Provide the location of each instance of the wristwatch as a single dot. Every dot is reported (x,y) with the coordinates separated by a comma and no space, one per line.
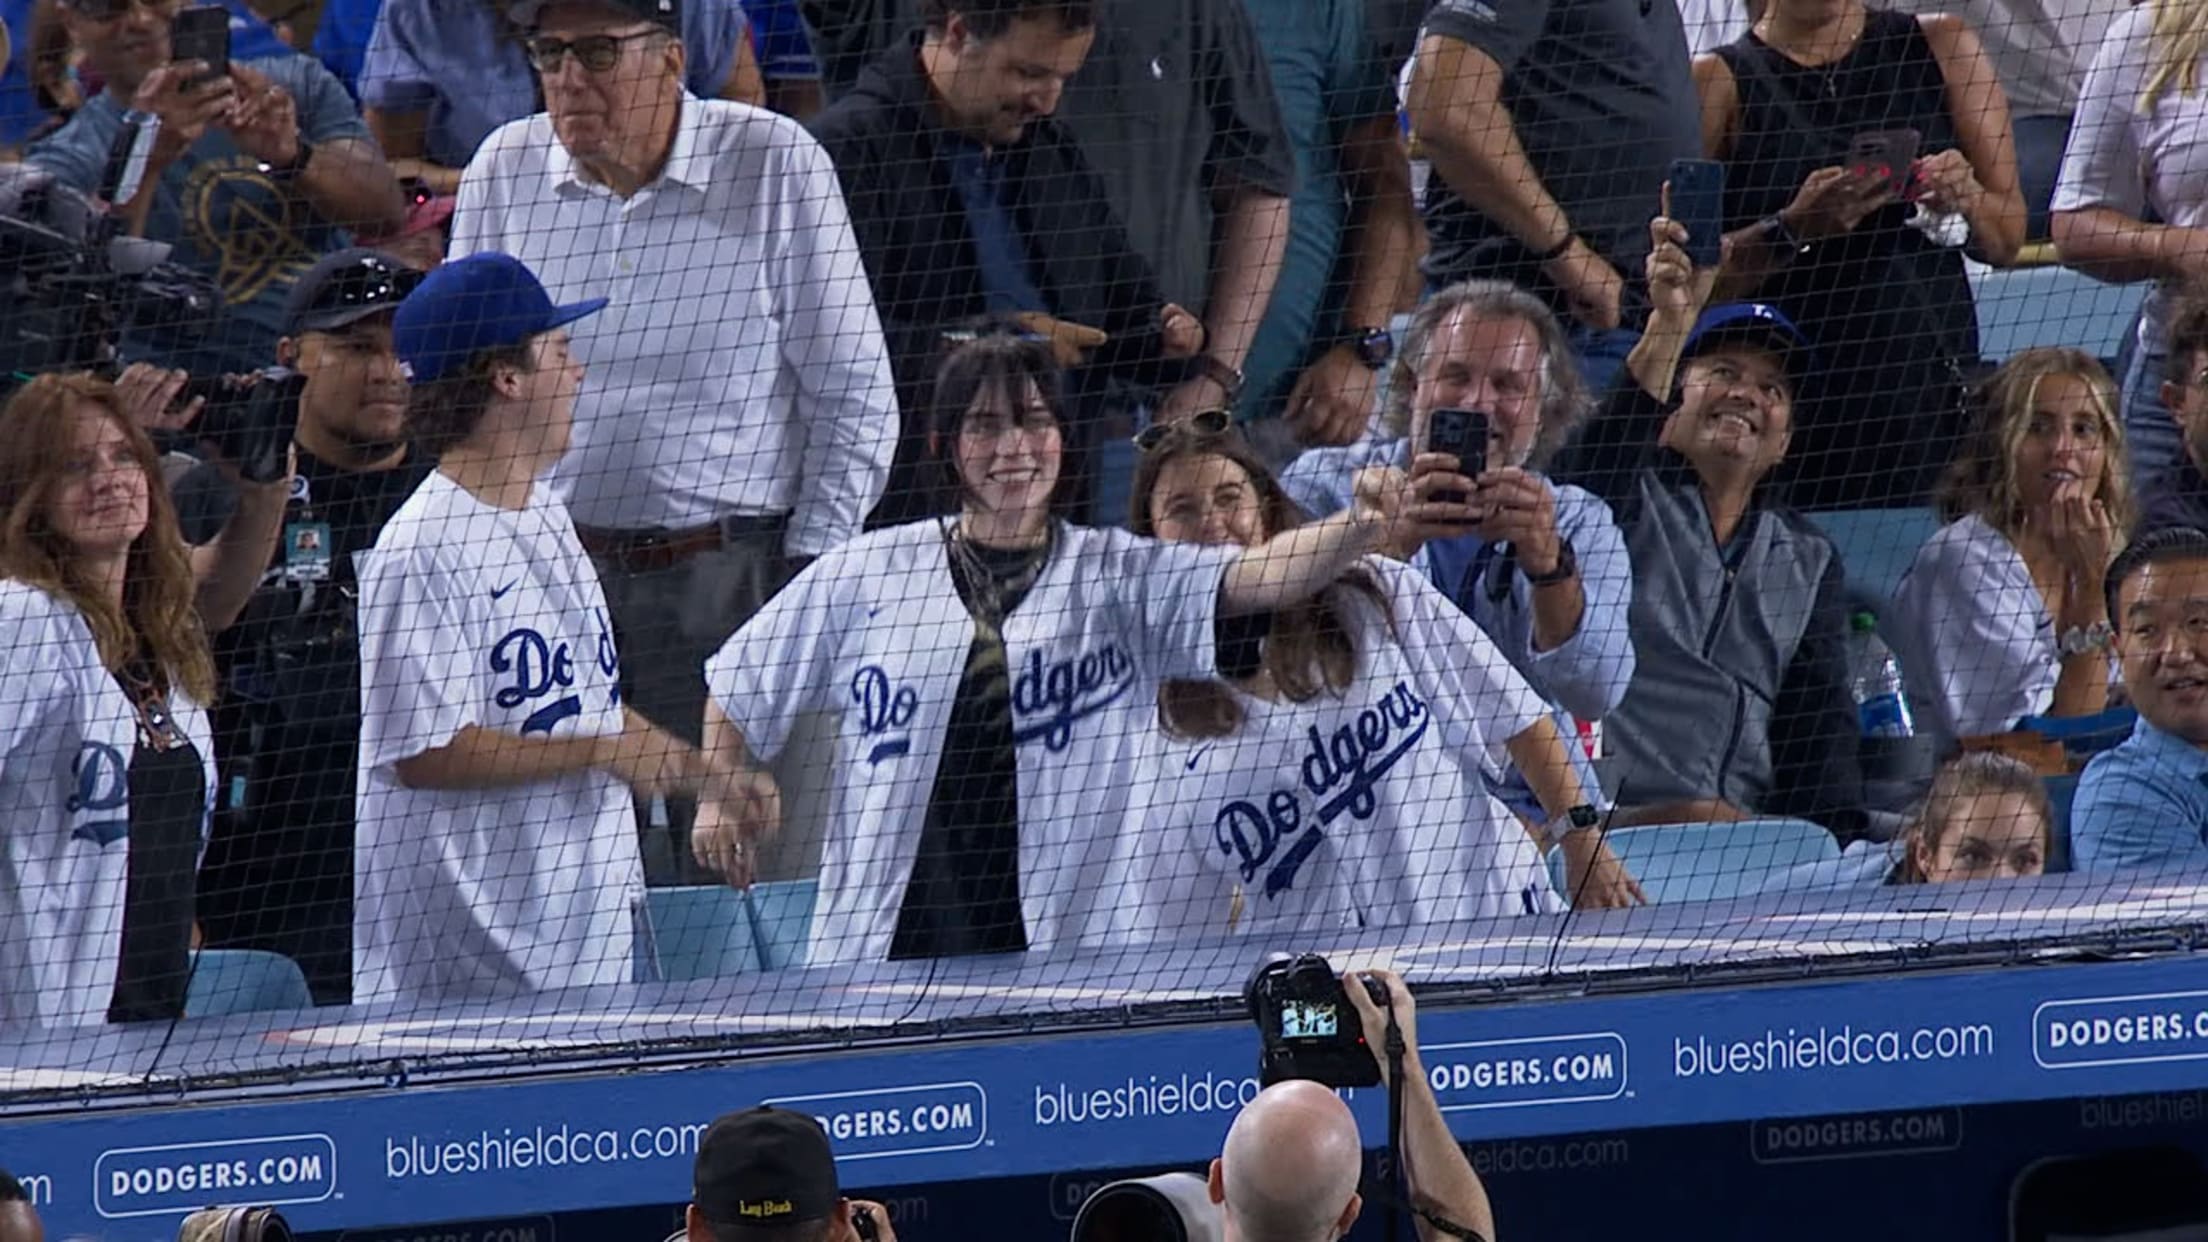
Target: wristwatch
(298,162)
(1210,367)
(1579,819)
(1779,240)
(1567,565)
(1375,348)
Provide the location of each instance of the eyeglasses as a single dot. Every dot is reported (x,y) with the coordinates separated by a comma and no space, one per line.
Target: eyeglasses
(1201,426)
(109,10)
(598,53)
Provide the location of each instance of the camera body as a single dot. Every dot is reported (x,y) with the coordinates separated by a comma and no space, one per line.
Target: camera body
(235,1224)
(1306,1025)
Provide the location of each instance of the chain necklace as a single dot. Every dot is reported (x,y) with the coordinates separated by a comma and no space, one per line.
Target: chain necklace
(987,591)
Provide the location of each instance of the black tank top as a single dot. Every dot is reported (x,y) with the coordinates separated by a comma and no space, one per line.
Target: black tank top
(1889,311)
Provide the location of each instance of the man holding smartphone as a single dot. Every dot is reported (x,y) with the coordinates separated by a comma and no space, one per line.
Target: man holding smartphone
(1540,566)
(252,174)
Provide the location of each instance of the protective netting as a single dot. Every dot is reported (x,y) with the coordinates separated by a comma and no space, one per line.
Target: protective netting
(1056,502)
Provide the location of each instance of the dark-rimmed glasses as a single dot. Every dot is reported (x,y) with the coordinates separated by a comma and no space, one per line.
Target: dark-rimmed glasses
(1200,426)
(597,53)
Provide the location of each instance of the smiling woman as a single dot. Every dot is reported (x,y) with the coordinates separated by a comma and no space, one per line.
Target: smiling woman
(107,756)
(998,672)
(2001,616)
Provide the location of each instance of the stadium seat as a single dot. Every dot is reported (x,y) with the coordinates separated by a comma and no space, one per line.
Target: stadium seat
(701,932)
(2025,307)
(1713,861)
(782,920)
(227,981)
(1876,547)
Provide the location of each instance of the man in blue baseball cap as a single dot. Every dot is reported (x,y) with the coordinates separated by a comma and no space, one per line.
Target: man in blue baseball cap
(496,849)
(1739,704)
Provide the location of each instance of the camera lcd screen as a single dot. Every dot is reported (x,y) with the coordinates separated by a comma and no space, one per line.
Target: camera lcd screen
(1308,1020)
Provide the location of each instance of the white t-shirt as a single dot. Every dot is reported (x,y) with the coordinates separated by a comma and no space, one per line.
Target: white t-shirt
(1367,810)
(475,615)
(67,734)
(875,634)
(2126,161)
(1973,634)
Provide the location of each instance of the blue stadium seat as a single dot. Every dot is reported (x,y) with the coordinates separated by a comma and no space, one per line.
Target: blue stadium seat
(2026,307)
(1710,862)
(782,918)
(1876,547)
(227,981)
(701,932)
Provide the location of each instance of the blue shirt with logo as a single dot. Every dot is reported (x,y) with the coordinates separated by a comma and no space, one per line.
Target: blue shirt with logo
(253,232)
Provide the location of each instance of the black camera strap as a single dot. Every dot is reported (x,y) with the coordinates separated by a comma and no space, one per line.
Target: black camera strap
(1397,1189)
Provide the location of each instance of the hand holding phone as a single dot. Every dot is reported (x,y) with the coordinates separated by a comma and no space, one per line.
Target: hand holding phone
(1885,155)
(1697,203)
(1462,434)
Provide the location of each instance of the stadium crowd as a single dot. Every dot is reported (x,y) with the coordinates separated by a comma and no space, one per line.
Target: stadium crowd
(1062,473)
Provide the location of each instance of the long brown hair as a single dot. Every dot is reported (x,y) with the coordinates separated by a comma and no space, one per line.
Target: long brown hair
(1980,772)
(1309,649)
(158,621)
(1982,480)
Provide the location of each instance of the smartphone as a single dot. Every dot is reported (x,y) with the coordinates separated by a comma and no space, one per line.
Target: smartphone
(1887,153)
(1698,202)
(1463,435)
(202,33)
(862,1223)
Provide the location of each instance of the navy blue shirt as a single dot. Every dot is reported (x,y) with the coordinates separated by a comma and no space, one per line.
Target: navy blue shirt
(1000,252)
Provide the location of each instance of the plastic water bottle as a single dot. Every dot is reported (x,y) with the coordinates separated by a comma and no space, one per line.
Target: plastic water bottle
(1874,678)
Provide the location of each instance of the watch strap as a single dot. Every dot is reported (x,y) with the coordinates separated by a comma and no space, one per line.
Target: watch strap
(1567,566)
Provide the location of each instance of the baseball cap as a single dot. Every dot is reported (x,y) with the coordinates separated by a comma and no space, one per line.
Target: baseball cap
(668,13)
(1757,323)
(764,1166)
(345,286)
(469,305)
(425,211)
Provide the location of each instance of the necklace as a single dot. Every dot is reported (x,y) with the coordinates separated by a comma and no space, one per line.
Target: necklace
(988,591)
(156,728)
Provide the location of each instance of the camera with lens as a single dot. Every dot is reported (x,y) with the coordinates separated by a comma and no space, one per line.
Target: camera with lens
(247,420)
(235,1224)
(1308,1027)
(71,284)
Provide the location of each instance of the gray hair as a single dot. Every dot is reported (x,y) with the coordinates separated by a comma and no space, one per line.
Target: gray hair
(1565,402)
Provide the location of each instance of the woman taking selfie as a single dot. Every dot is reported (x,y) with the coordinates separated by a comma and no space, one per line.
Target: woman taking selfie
(2002,615)
(996,675)
(1335,774)
(105,758)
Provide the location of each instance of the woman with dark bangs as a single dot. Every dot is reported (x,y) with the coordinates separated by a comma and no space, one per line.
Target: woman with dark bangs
(106,762)
(1334,775)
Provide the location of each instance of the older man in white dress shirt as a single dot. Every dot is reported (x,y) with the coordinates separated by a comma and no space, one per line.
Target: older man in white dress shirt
(739,418)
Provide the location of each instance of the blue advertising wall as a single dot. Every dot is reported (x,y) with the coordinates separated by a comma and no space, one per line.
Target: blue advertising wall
(1908,1060)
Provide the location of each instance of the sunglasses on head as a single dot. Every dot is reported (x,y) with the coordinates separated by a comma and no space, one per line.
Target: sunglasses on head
(1201,426)
(597,53)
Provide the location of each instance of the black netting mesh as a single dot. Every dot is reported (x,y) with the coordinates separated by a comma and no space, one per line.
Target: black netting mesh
(961,514)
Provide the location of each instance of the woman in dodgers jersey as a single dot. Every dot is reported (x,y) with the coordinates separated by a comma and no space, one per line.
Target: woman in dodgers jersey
(106,760)
(496,841)
(1334,780)
(994,675)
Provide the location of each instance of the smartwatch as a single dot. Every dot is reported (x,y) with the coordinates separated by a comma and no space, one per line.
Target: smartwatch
(1375,348)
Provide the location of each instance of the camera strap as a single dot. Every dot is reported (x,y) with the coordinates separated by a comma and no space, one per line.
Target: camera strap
(1398,1183)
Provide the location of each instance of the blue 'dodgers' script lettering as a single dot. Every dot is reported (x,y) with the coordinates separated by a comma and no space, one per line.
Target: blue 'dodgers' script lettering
(1049,699)
(102,800)
(885,713)
(1340,772)
(539,669)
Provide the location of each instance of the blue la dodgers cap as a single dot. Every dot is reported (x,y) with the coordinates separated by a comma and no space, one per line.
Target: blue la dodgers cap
(483,301)
(1755,322)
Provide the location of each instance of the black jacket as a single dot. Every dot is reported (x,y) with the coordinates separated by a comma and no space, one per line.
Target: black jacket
(919,252)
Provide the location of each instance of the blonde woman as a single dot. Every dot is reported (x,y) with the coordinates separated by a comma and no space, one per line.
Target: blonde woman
(105,756)
(1987,817)
(2002,616)
(2140,142)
